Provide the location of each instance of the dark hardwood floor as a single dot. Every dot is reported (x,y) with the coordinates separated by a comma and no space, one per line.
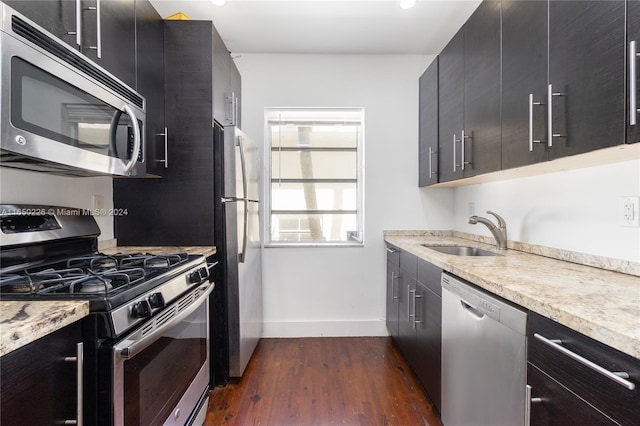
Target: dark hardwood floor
(323,381)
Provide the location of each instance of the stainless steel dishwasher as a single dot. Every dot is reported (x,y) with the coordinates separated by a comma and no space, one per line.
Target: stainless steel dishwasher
(483,358)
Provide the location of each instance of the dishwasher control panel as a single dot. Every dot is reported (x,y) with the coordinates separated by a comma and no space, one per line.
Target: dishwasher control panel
(485,303)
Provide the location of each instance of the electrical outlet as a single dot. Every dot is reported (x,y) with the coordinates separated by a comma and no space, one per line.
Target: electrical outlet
(98,202)
(630,211)
(472,208)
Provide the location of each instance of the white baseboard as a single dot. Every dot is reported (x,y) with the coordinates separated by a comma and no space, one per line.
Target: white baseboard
(325,329)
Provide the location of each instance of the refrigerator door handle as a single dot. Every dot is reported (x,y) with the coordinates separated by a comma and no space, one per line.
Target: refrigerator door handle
(240,144)
(243,165)
(243,252)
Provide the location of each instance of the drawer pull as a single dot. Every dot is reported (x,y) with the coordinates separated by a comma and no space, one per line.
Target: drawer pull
(618,377)
(389,250)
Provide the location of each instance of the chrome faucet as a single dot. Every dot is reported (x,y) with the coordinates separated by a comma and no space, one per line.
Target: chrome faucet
(500,234)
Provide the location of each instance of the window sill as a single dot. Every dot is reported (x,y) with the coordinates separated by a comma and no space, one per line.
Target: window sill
(314,245)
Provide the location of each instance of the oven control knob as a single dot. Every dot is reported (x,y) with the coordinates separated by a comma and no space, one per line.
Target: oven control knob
(196,277)
(204,273)
(141,309)
(156,300)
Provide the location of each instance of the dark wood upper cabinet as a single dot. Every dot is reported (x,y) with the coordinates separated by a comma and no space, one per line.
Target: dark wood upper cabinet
(115,36)
(469,98)
(187,185)
(428,126)
(56,16)
(221,81)
(524,82)
(586,75)
(236,93)
(227,82)
(150,83)
(480,147)
(633,35)
(115,33)
(450,108)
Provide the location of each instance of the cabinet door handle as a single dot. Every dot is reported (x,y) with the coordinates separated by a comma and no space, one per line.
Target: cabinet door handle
(98,30)
(550,96)
(527,405)
(633,105)
(393,286)
(412,316)
(98,46)
(235,109)
(464,162)
(618,377)
(455,165)
(390,250)
(531,104)
(415,313)
(166,148)
(79,360)
(78,31)
(431,154)
(232,106)
(409,303)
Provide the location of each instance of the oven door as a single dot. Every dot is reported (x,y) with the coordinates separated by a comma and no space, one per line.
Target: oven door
(161,371)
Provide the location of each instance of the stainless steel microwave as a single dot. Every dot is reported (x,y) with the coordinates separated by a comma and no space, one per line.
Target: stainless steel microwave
(59,111)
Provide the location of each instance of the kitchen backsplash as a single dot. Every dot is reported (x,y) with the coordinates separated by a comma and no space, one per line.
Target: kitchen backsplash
(23,187)
(574,210)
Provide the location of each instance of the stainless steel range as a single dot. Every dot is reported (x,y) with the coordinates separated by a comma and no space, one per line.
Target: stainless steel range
(146,340)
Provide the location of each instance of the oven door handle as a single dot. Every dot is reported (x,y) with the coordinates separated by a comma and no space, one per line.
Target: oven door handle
(136,343)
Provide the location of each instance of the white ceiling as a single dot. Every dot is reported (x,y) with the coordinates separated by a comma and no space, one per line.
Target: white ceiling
(329,26)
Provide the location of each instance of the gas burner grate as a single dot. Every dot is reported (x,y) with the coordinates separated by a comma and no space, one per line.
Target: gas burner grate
(94,263)
(151,261)
(72,281)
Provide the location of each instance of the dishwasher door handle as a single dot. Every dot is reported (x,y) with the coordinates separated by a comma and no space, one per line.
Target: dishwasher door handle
(472,311)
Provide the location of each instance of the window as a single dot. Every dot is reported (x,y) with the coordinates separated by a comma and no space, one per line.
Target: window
(316,172)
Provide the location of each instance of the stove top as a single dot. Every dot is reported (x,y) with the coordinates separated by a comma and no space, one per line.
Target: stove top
(50,253)
(105,280)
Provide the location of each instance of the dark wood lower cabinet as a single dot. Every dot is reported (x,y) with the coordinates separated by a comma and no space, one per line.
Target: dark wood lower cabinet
(37,385)
(570,392)
(393,273)
(414,317)
(556,405)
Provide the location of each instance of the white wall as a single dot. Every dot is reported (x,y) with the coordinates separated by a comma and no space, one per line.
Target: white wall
(18,186)
(341,291)
(575,210)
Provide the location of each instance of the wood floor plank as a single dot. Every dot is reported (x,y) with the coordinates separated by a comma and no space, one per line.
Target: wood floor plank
(323,381)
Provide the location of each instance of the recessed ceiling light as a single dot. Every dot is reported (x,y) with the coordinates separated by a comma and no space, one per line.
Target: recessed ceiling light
(218,2)
(407,4)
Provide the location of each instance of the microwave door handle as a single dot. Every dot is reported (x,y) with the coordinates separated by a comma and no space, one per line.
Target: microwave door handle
(136,139)
(113,146)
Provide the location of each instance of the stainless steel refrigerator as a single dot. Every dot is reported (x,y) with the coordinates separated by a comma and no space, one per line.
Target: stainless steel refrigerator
(237,304)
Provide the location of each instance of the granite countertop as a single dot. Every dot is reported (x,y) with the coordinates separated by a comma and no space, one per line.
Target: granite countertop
(111,247)
(23,322)
(600,303)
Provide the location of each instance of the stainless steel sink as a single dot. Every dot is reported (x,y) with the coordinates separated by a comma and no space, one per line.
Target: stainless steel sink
(461,250)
